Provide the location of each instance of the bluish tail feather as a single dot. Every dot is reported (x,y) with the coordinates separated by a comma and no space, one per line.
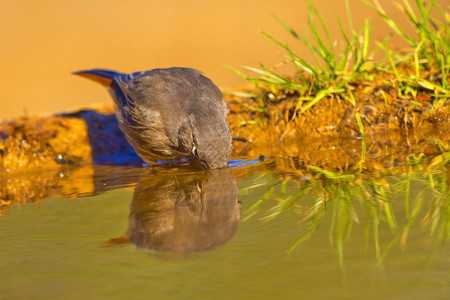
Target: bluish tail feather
(111,79)
(98,72)
(104,77)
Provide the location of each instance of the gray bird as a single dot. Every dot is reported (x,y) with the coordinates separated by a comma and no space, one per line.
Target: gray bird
(170,113)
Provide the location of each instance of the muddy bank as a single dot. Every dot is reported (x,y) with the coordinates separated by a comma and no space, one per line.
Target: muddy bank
(328,135)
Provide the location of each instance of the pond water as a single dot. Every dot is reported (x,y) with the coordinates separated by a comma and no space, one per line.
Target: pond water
(240,233)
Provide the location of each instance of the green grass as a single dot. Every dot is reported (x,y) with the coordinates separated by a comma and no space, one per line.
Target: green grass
(335,71)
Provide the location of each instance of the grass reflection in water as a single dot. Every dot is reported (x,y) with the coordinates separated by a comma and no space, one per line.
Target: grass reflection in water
(353,196)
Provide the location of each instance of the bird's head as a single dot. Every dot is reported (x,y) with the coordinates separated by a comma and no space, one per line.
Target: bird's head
(211,139)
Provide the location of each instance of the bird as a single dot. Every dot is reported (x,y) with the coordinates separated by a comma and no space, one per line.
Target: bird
(170,113)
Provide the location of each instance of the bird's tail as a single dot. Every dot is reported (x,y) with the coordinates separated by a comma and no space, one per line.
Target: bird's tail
(104,77)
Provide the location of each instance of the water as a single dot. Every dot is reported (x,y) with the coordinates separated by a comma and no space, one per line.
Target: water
(211,236)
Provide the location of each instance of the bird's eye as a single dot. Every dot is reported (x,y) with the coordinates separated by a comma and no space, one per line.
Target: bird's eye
(194,150)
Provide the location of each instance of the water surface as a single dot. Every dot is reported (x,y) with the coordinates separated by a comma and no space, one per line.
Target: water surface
(237,247)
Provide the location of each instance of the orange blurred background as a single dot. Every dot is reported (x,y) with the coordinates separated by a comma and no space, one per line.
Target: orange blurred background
(42,42)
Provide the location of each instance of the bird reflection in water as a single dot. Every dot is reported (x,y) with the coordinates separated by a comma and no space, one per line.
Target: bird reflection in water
(180,213)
